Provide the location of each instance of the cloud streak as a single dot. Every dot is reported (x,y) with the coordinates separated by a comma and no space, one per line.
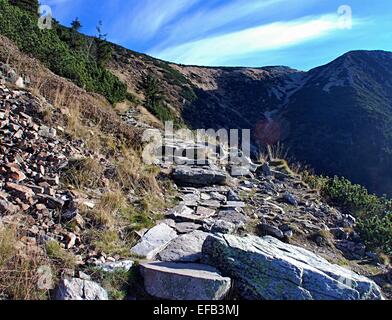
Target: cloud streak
(142,20)
(218,49)
(207,20)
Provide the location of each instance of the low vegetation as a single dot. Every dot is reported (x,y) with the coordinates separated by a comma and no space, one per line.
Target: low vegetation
(20,268)
(374,214)
(81,60)
(116,283)
(155,101)
(83,173)
(60,256)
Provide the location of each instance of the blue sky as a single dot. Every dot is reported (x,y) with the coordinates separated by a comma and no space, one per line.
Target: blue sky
(298,33)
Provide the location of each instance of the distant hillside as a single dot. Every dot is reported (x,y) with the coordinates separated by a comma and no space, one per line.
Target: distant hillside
(341,119)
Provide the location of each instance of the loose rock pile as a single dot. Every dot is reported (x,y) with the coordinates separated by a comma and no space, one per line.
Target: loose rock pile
(31,159)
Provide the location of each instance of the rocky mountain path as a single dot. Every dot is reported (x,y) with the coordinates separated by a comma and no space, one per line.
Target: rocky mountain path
(201,247)
(267,202)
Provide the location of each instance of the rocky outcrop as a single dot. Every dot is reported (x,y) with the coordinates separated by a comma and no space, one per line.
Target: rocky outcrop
(266,268)
(177,281)
(78,289)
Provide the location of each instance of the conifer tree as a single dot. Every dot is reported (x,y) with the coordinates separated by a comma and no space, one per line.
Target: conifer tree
(29,5)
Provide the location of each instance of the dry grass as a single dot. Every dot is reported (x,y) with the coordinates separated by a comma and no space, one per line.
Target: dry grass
(271,153)
(323,238)
(19,268)
(61,257)
(282,166)
(90,118)
(109,242)
(131,174)
(106,213)
(83,173)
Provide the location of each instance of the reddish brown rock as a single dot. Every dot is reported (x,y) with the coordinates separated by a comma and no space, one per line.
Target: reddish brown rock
(15,173)
(20,191)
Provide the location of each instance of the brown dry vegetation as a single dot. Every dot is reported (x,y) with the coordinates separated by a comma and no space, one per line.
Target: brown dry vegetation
(20,267)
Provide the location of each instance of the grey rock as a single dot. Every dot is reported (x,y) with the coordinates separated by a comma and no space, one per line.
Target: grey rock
(268,230)
(266,268)
(205,196)
(210,203)
(290,199)
(234,204)
(339,233)
(84,276)
(232,196)
(190,199)
(351,250)
(219,226)
(79,289)
(240,171)
(197,176)
(182,213)
(233,216)
(47,132)
(154,241)
(7,207)
(217,196)
(288,234)
(110,267)
(177,281)
(264,170)
(186,227)
(205,212)
(185,248)
(348,221)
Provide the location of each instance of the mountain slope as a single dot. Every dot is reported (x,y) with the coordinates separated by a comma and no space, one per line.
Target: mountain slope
(336,118)
(341,119)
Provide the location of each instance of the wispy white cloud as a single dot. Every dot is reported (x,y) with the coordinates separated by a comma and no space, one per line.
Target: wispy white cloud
(214,50)
(144,19)
(207,19)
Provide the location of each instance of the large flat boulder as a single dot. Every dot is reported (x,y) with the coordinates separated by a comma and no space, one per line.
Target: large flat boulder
(154,241)
(266,268)
(199,176)
(185,248)
(178,281)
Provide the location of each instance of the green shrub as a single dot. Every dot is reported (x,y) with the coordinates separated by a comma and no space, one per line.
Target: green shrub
(154,101)
(374,213)
(376,231)
(116,283)
(53,48)
(59,255)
